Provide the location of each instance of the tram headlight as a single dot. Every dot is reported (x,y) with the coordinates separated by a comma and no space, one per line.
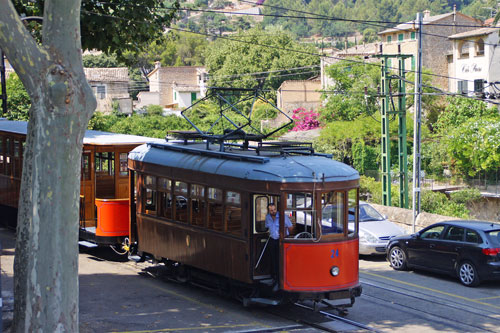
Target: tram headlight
(334,271)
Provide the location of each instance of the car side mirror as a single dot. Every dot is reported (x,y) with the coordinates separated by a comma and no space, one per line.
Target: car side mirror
(416,235)
(384,216)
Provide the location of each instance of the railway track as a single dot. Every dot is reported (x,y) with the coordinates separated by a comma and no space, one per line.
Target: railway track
(458,315)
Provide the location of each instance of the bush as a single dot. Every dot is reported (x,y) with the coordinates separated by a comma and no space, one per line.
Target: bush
(305,120)
(154,110)
(466,196)
(438,203)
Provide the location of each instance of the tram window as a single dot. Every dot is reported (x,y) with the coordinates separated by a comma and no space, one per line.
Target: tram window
(105,163)
(300,200)
(123,164)
(181,202)
(16,148)
(215,209)
(233,213)
(166,204)
(260,212)
(353,212)
(332,213)
(85,166)
(150,204)
(1,156)
(150,181)
(300,210)
(198,204)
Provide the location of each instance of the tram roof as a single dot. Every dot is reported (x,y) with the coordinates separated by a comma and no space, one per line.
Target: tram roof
(245,164)
(91,137)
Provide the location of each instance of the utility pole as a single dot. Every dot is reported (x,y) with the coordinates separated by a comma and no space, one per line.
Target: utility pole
(417,125)
(3,95)
(388,108)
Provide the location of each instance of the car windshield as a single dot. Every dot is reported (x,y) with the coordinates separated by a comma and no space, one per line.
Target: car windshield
(494,237)
(366,213)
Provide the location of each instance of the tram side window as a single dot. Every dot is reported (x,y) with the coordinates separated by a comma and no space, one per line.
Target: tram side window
(123,165)
(198,205)
(165,194)
(181,201)
(353,212)
(233,213)
(105,163)
(260,205)
(332,213)
(2,166)
(150,195)
(8,150)
(85,166)
(215,209)
(300,209)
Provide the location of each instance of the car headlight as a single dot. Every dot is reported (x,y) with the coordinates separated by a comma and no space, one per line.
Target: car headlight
(366,237)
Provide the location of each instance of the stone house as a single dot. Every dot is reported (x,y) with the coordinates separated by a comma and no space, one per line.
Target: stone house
(174,87)
(437,49)
(110,85)
(475,62)
(294,94)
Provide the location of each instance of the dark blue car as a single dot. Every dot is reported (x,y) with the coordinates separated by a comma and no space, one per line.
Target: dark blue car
(467,249)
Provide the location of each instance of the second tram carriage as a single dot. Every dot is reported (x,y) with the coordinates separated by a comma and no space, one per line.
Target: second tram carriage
(201,209)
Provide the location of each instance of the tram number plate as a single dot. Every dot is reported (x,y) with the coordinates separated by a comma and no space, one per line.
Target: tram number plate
(335,253)
(339,294)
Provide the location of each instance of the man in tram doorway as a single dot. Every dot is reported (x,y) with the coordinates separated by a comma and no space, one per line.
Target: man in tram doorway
(273,225)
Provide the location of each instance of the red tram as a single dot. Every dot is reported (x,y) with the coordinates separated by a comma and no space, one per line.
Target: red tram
(201,209)
(104,206)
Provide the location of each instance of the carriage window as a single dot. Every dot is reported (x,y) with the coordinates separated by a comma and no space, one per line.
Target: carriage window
(123,164)
(105,163)
(332,213)
(7,156)
(16,148)
(198,204)
(150,194)
(215,209)
(181,201)
(353,212)
(1,156)
(150,181)
(300,209)
(260,212)
(85,166)
(233,213)
(165,197)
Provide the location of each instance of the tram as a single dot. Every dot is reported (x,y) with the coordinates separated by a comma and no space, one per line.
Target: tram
(202,201)
(104,205)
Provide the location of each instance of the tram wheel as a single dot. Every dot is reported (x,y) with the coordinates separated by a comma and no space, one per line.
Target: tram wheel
(467,273)
(397,258)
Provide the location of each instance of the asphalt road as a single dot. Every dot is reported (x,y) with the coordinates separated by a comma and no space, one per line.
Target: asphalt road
(117,296)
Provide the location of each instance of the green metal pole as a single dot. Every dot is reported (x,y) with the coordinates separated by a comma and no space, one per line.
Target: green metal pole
(386,142)
(403,157)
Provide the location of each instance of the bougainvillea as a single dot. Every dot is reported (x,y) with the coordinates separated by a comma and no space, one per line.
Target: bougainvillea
(305,120)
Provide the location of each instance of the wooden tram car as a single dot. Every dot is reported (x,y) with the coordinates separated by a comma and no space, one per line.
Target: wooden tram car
(201,209)
(104,205)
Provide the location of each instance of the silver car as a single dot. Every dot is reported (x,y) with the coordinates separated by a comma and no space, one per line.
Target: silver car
(375,230)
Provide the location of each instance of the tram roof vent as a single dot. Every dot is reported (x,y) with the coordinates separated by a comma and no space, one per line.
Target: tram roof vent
(286,147)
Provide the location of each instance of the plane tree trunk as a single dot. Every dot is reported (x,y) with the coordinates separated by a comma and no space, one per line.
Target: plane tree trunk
(46,260)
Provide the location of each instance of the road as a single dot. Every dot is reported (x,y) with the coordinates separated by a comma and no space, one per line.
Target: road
(117,296)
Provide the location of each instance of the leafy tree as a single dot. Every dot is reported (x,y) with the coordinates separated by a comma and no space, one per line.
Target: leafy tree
(155,110)
(115,26)
(18,101)
(62,102)
(229,61)
(101,60)
(346,100)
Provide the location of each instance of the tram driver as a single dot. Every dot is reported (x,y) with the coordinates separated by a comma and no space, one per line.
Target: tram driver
(273,225)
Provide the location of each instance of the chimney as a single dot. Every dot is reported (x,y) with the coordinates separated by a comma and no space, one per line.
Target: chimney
(427,13)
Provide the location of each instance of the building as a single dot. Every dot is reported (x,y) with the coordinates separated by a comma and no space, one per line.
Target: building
(475,62)
(110,85)
(437,49)
(174,87)
(294,94)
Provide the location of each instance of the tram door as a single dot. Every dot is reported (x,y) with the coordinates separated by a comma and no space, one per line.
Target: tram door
(105,175)
(261,256)
(87,188)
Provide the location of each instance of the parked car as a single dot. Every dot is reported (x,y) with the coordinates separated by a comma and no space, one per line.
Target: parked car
(467,249)
(375,230)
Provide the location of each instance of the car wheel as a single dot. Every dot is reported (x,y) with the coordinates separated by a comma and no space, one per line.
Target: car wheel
(467,274)
(397,258)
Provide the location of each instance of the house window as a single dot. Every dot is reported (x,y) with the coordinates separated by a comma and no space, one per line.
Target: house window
(100,92)
(193,97)
(389,39)
(462,87)
(175,95)
(478,87)
(464,50)
(401,37)
(479,47)
(413,35)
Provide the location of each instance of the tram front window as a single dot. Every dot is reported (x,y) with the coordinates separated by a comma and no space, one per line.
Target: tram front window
(300,210)
(332,213)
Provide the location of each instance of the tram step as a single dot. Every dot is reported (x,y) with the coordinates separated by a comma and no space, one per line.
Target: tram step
(87,244)
(260,300)
(267,282)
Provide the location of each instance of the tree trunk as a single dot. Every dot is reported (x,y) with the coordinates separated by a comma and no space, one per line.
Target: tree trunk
(46,261)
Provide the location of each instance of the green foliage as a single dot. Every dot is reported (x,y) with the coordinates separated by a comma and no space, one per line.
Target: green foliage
(18,100)
(474,145)
(371,190)
(438,203)
(346,99)
(227,60)
(465,196)
(364,157)
(154,110)
(137,26)
(102,60)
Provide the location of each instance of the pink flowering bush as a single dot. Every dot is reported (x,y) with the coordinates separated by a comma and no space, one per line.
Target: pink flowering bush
(305,120)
